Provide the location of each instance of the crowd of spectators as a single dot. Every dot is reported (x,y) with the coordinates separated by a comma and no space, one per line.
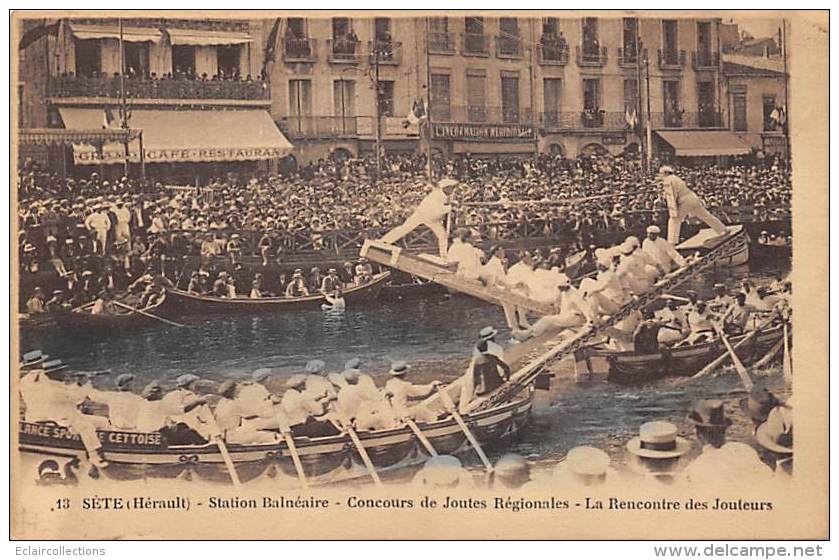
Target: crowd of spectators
(65,225)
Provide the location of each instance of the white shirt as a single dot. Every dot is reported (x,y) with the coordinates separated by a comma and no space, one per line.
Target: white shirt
(662,252)
(434,206)
(467,257)
(402,390)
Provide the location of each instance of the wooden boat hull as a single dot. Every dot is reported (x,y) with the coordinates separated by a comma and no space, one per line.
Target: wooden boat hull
(82,323)
(633,367)
(736,253)
(183,302)
(325,460)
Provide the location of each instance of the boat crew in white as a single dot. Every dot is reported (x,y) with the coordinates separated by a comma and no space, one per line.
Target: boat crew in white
(661,250)
(683,203)
(401,391)
(467,257)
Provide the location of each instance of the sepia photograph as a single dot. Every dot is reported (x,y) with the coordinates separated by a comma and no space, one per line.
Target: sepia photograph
(418,274)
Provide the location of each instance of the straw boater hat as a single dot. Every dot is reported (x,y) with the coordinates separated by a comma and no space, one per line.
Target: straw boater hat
(31,359)
(653,229)
(487,333)
(658,440)
(315,367)
(261,374)
(709,413)
(151,389)
(398,368)
(124,380)
(665,170)
(186,380)
(585,464)
(54,366)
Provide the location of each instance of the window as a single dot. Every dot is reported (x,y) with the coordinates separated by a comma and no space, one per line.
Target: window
(441,105)
(340,27)
(88,57)
(228,61)
(297,28)
(769,121)
(509,42)
(553,45)
(553,97)
(703,43)
(672,108)
(476,97)
(439,39)
(510,99)
(299,97)
(343,98)
(381,29)
(738,102)
(591,43)
(671,41)
(630,40)
(706,103)
(385,96)
(183,60)
(630,95)
(474,40)
(137,59)
(550,26)
(591,94)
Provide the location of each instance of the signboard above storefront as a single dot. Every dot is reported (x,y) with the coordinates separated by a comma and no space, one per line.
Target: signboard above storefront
(488,132)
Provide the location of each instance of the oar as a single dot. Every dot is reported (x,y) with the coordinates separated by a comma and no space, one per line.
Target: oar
(720,360)
(345,426)
(420,436)
(787,356)
(149,315)
(285,430)
(222,447)
(769,355)
(449,404)
(738,365)
(675,298)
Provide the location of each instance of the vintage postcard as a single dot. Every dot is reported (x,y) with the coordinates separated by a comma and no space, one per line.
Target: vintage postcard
(419,275)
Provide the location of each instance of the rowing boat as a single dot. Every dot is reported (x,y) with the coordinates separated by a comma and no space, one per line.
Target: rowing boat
(635,367)
(736,245)
(82,321)
(326,460)
(181,301)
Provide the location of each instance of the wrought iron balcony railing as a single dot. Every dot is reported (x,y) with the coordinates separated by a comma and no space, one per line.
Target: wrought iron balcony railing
(389,52)
(671,60)
(508,47)
(440,43)
(300,50)
(591,57)
(155,88)
(553,53)
(475,44)
(705,60)
(343,51)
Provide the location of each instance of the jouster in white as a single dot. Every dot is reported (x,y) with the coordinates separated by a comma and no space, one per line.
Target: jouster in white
(683,203)
(431,212)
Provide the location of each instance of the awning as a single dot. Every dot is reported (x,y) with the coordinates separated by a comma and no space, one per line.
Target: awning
(184,136)
(200,37)
(63,137)
(704,143)
(130,34)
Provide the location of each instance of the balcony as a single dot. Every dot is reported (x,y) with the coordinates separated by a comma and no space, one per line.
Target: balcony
(343,51)
(390,52)
(591,57)
(480,114)
(628,58)
(154,88)
(300,50)
(681,119)
(555,121)
(671,60)
(475,44)
(705,60)
(319,127)
(508,47)
(440,43)
(553,53)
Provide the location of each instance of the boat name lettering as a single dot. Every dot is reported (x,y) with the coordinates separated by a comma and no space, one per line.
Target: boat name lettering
(131,438)
(53,431)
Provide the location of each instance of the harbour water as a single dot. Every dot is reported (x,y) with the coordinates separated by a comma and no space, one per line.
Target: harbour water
(435,336)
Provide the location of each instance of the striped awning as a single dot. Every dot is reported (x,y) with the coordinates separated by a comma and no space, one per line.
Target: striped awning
(201,37)
(61,136)
(129,34)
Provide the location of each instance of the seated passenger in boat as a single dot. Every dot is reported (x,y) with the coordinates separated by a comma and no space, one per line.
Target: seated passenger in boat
(297,286)
(221,285)
(701,322)
(737,319)
(662,252)
(331,282)
(402,392)
(467,256)
(256,289)
(195,285)
(722,301)
(363,271)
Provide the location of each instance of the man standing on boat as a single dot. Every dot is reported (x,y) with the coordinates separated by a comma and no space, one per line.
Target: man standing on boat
(683,203)
(431,212)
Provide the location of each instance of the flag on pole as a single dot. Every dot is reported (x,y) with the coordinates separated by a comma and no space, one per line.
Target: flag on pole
(416,115)
(107,118)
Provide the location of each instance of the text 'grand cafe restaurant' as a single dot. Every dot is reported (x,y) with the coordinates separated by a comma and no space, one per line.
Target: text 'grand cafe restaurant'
(172,135)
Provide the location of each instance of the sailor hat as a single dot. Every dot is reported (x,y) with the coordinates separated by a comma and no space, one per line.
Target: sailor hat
(150,389)
(186,379)
(315,366)
(351,375)
(352,363)
(398,368)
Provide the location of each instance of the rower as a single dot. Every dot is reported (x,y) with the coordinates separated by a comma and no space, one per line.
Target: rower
(735,318)
(337,379)
(661,250)
(123,404)
(645,337)
(431,212)
(304,413)
(722,301)
(467,257)
(574,312)
(401,391)
(672,323)
(185,407)
(238,422)
(701,325)
(360,401)
(764,302)
(605,293)
(151,416)
(683,203)
(317,385)
(104,304)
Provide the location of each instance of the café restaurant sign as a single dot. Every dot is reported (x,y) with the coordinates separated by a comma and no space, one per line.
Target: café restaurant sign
(455,131)
(112,154)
